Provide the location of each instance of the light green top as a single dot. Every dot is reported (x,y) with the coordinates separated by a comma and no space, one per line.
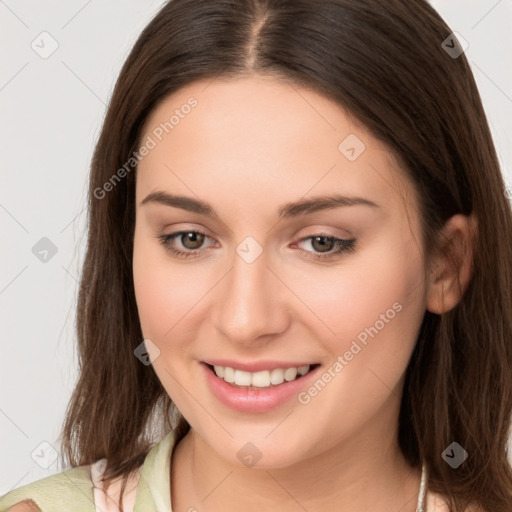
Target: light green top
(73,489)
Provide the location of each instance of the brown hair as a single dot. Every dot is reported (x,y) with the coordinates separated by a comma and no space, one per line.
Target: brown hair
(383,61)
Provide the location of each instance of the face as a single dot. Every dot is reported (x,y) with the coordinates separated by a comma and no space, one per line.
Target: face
(273,232)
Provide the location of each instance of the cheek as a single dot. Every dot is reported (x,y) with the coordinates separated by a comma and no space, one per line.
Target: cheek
(169,294)
(375,307)
(162,295)
(380,295)
(167,298)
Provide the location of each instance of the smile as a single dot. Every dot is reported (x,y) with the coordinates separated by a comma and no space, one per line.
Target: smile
(258,391)
(261,379)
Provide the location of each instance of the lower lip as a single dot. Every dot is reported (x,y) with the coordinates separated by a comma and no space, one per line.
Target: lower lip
(255,400)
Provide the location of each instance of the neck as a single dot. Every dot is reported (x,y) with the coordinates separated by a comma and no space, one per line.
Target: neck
(359,474)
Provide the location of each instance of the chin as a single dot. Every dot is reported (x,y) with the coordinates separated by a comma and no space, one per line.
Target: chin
(259,451)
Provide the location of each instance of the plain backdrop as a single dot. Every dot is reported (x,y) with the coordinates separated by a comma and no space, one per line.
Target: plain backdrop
(59,62)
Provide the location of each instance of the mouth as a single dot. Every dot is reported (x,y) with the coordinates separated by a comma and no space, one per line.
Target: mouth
(260,380)
(262,390)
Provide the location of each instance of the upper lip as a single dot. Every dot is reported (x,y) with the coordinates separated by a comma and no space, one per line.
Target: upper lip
(257,366)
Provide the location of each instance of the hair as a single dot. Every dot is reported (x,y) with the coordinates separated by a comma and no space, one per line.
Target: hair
(383,61)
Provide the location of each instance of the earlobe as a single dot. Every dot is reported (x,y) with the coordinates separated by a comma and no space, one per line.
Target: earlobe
(453,266)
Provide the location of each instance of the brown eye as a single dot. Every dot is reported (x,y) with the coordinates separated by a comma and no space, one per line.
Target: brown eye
(322,243)
(323,246)
(185,244)
(192,240)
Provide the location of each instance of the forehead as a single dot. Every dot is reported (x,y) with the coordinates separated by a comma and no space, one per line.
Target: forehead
(264,140)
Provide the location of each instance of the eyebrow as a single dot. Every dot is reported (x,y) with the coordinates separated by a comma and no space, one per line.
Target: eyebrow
(288,210)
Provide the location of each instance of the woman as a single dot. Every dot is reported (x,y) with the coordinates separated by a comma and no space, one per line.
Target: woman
(298,277)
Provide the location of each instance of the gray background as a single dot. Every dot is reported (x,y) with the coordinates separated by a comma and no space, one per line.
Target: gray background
(51,113)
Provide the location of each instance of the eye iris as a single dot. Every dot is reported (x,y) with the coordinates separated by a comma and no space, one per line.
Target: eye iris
(196,240)
(323,246)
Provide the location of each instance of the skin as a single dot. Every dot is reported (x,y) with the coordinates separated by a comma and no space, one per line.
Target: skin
(250,145)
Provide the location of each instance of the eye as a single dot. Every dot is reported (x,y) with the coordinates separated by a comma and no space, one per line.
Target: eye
(191,242)
(326,246)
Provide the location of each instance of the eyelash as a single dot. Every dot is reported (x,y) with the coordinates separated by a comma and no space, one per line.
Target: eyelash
(342,245)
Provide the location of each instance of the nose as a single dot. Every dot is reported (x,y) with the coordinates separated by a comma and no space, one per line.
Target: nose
(250,302)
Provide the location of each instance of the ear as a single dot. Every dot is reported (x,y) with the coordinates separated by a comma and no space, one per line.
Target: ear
(452,267)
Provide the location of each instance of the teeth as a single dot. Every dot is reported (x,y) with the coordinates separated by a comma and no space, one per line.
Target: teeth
(229,374)
(290,374)
(277,377)
(242,378)
(263,379)
(302,370)
(260,379)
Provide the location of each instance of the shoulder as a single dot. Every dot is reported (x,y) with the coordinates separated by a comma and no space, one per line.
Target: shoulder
(106,498)
(53,493)
(82,486)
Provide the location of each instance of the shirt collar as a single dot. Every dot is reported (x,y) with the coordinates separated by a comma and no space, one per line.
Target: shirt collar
(154,488)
